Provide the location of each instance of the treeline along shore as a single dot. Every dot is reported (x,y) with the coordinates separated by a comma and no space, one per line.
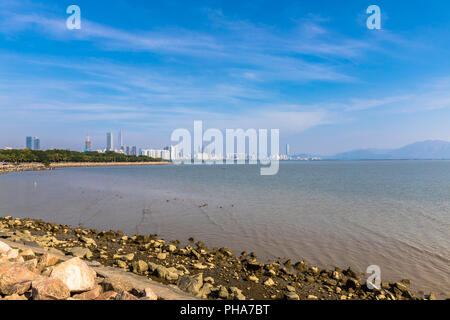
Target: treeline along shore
(192,269)
(25,160)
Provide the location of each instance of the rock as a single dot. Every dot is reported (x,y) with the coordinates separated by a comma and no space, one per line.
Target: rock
(301,266)
(254,265)
(56,251)
(314,270)
(81,252)
(352,284)
(237,293)
(116,284)
(431,296)
(191,284)
(149,294)
(15,279)
(49,289)
(76,274)
(140,266)
(4,248)
(312,297)
(109,295)
(12,254)
(88,241)
(223,293)
(171,248)
(205,290)
(14,297)
(129,257)
(28,254)
(47,260)
(269,282)
(336,275)
(89,295)
(124,295)
(209,280)
(31,265)
(253,278)
(291,296)
(290,288)
(199,266)
(161,256)
(122,264)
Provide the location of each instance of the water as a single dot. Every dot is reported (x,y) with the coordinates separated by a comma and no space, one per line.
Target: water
(395,214)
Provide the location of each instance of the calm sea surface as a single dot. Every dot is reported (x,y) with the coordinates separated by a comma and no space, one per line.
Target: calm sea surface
(395,214)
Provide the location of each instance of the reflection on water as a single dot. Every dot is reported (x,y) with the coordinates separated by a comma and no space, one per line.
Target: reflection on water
(394,214)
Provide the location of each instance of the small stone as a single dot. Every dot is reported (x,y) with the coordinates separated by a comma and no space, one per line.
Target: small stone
(124,295)
(352,284)
(28,253)
(47,260)
(116,284)
(191,284)
(161,256)
(199,266)
(14,297)
(49,289)
(223,293)
(269,282)
(149,294)
(81,252)
(290,288)
(109,295)
(312,297)
(89,295)
(140,266)
(291,296)
(209,280)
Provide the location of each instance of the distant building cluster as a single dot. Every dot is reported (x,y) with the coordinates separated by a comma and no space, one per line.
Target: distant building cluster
(33,143)
(167,153)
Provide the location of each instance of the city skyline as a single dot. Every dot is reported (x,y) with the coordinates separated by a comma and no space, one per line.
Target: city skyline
(312,69)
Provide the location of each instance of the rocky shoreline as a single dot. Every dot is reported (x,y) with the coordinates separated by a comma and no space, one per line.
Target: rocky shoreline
(34,166)
(205,273)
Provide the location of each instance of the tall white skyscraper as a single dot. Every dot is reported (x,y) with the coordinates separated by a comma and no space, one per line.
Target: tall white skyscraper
(109,142)
(120,140)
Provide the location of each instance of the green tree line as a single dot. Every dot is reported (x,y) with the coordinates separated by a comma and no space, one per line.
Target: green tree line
(49,156)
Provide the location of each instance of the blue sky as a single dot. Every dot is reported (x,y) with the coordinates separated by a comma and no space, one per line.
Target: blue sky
(310,68)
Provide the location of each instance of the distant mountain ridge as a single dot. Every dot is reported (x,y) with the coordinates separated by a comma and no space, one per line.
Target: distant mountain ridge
(424,150)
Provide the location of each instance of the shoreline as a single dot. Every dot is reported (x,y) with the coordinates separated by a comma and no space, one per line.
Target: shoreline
(33,166)
(214,273)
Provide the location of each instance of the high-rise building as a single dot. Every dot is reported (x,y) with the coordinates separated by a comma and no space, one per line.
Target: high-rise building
(109,142)
(288,150)
(134,151)
(128,151)
(88,144)
(36,143)
(29,143)
(120,140)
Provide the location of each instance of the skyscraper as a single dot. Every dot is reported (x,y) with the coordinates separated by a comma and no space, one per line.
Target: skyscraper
(29,143)
(88,144)
(120,140)
(36,143)
(109,142)
(288,150)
